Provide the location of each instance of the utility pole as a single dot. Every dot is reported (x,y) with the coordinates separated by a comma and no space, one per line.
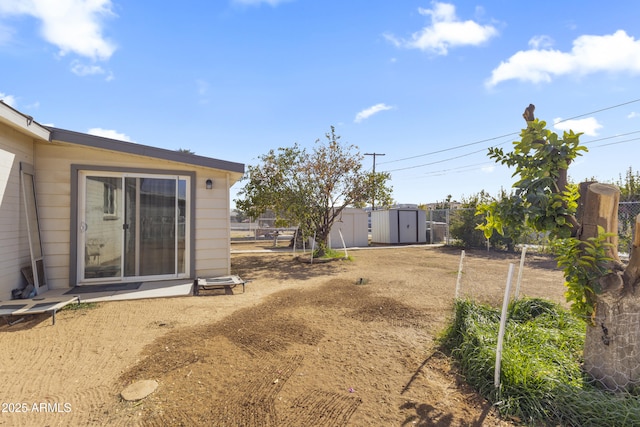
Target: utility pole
(373,199)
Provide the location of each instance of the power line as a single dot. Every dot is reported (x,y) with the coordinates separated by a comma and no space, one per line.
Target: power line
(617,142)
(478,151)
(451,148)
(460,169)
(441,161)
(600,110)
(498,137)
(611,137)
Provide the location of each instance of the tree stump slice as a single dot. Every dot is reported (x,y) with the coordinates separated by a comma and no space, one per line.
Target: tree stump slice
(601,209)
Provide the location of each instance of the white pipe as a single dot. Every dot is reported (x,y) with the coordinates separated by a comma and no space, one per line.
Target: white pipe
(346,255)
(503,324)
(295,235)
(459,280)
(520,271)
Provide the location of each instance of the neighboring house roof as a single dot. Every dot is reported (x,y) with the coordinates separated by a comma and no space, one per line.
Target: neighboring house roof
(143,150)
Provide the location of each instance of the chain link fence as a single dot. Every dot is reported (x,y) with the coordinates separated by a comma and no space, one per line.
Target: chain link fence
(444,226)
(262,228)
(627,213)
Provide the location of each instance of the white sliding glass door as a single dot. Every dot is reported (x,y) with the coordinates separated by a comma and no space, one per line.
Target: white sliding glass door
(132,226)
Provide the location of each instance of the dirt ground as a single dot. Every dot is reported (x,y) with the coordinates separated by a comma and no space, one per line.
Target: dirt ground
(345,343)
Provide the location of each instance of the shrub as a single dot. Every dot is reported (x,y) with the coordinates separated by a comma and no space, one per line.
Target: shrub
(541,380)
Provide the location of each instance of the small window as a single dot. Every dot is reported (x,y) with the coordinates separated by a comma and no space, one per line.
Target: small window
(110,203)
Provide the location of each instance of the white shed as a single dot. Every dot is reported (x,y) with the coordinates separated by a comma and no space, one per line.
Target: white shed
(353,224)
(399,226)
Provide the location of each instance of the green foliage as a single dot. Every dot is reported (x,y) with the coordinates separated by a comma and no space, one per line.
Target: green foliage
(503,215)
(445,204)
(309,189)
(546,201)
(332,254)
(379,193)
(544,197)
(629,186)
(185,151)
(583,262)
(80,306)
(541,377)
(464,223)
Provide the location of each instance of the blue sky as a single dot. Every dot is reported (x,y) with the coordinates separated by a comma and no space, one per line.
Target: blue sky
(431,85)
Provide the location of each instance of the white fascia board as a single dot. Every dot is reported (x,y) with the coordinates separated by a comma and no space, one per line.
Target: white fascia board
(22,123)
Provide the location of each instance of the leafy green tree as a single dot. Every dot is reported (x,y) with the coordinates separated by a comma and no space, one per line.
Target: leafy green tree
(543,197)
(310,189)
(446,204)
(629,186)
(379,193)
(464,222)
(240,216)
(185,151)
(600,288)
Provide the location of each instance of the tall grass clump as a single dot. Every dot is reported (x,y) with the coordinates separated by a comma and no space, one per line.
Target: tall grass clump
(541,381)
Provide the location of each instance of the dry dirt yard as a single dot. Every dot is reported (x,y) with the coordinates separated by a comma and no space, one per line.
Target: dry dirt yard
(345,343)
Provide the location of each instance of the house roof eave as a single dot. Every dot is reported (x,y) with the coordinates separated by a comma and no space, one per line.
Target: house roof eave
(72,137)
(22,122)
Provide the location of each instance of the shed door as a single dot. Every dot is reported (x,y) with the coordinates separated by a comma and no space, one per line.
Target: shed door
(132,226)
(408,226)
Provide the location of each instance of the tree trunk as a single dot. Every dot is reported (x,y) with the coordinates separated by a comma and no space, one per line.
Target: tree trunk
(612,342)
(297,240)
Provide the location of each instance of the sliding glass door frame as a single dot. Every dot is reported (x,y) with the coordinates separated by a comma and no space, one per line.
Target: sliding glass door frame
(165,240)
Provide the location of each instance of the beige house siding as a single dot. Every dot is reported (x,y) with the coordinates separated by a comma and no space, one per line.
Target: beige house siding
(14,251)
(53,180)
(212,229)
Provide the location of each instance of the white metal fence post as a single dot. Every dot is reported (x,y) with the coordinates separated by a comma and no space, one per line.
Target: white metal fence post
(458,284)
(503,324)
(520,271)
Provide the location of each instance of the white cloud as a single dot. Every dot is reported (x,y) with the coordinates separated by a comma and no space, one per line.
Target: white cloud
(81,69)
(74,26)
(538,42)
(633,115)
(6,34)
(10,100)
(446,31)
(588,126)
(368,112)
(203,87)
(109,133)
(617,52)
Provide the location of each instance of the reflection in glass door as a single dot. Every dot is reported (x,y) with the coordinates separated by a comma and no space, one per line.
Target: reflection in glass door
(134,226)
(102,227)
(158,226)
